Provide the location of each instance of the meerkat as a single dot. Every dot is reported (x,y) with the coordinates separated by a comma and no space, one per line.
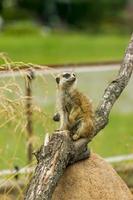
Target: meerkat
(74,109)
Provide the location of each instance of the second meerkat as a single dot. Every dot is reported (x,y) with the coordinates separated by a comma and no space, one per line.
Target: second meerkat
(74,108)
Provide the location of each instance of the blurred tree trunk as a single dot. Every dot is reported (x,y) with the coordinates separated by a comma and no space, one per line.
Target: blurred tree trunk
(1,19)
(50,13)
(129,14)
(1,5)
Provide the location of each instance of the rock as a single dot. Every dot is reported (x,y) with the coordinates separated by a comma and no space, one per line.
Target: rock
(91,179)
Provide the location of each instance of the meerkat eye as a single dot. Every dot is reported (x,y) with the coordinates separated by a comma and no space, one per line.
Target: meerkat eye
(67,75)
(74,75)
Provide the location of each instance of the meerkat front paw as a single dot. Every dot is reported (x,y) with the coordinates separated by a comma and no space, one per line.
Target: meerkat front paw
(56,117)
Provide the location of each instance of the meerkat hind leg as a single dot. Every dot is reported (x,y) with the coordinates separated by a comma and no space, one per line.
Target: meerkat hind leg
(81,132)
(56,117)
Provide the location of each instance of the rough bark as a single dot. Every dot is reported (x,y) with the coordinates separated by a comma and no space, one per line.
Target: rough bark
(61,150)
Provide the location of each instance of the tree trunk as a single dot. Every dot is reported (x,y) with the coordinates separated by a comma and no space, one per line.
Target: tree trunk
(62,151)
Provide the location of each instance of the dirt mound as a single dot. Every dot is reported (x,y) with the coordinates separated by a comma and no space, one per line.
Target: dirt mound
(91,179)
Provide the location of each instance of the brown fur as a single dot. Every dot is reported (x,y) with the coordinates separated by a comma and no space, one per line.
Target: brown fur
(75,109)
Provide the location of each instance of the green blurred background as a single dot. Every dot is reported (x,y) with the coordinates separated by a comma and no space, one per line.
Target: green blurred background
(64,31)
(67,31)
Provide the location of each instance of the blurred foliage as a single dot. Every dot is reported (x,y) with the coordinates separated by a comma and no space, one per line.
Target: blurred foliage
(91,12)
(77,12)
(21,28)
(13,13)
(71,13)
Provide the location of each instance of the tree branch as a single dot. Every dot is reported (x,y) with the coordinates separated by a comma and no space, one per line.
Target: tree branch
(62,151)
(114,90)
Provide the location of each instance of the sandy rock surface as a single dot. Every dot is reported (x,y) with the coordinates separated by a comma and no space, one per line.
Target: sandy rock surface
(91,179)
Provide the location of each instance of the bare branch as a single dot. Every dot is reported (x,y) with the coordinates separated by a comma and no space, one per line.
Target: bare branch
(111,94)
(114,90)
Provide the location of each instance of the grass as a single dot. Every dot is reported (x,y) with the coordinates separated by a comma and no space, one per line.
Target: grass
(115,139)
(53,48)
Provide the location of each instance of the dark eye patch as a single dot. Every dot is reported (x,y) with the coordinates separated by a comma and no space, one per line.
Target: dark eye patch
(67,75)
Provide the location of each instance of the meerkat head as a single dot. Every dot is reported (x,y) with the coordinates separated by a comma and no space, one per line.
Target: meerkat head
(66,80)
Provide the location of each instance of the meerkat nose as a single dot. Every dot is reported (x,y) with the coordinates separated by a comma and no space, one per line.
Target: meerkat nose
(73,79)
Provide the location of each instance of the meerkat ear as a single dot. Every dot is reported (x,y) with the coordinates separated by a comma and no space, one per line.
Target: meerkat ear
(57,80)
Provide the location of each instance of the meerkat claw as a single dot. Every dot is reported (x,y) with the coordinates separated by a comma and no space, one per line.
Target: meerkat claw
(75,137)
